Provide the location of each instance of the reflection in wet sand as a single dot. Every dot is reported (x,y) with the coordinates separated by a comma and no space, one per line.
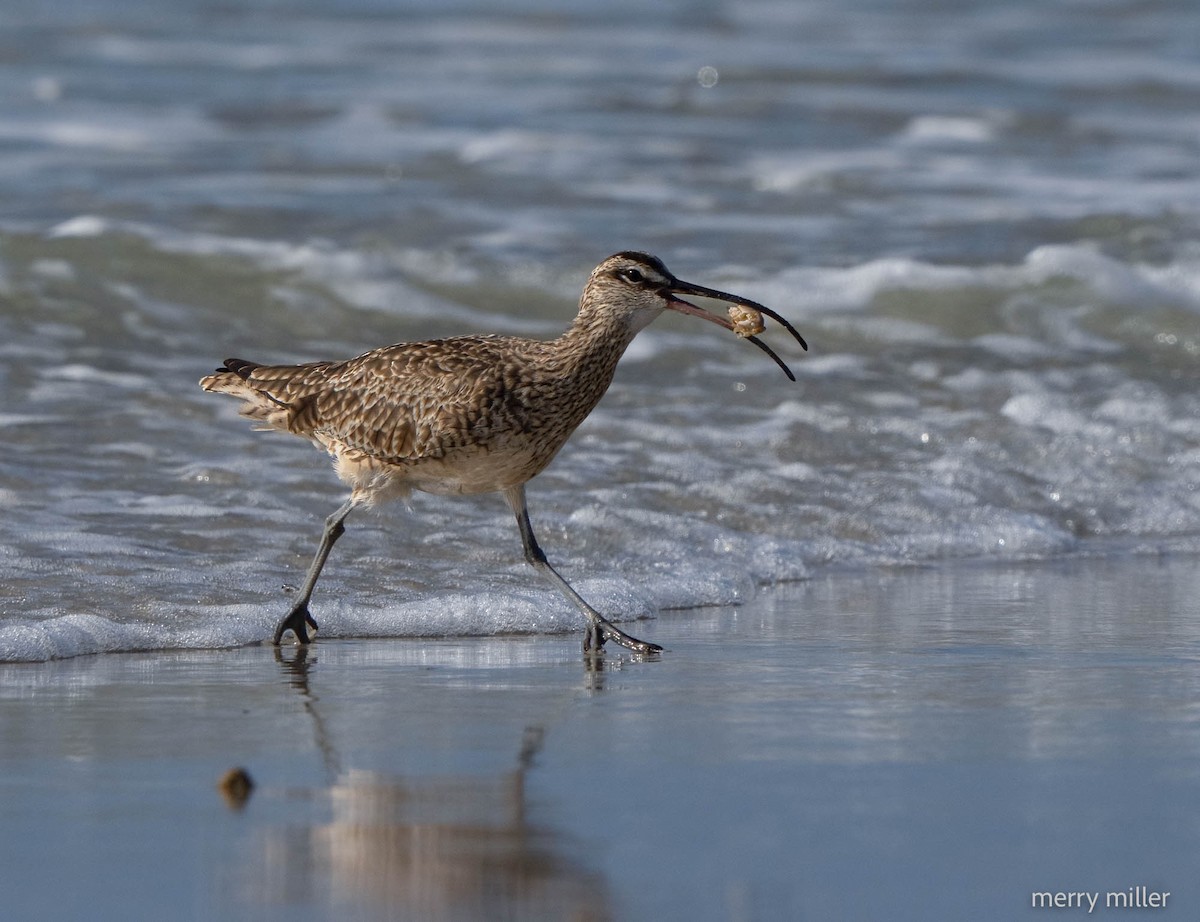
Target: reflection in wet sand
(436,848)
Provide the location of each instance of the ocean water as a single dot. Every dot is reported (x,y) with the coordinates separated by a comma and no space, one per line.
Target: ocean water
(984,218)
(918,743)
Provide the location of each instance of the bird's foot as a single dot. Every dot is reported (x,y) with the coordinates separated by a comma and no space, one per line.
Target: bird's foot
(298,621)
(600,630)
(593,639)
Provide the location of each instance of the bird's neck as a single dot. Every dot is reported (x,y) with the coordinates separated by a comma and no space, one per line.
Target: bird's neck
(586,355)
(598,338)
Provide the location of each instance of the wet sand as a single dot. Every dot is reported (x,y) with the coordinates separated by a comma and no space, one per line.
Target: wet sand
(913,744)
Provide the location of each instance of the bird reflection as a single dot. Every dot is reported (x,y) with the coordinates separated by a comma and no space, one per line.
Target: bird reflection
(429,848)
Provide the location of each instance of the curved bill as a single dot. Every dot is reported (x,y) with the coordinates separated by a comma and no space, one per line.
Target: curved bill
(686,307)
(771,352)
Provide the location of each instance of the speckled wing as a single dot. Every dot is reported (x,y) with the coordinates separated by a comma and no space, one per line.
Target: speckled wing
(398,404)
(412,402)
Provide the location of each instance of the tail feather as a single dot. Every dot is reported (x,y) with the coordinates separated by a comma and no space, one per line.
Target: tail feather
(240,367)
(236,378)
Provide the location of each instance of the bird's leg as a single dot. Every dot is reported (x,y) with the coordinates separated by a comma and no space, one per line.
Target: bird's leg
(298,620)
(599,629)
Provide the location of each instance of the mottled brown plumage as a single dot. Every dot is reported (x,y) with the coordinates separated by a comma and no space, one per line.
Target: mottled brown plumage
(469,414)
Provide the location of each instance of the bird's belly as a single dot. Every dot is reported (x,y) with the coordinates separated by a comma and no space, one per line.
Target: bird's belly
(477,471)
(482,472)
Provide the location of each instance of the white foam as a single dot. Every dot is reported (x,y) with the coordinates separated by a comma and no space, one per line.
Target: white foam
(23,419)
(812,290)
(142,50)
(85,225)
(1052,411)
(367,279)
(71,635)
(942,128)
(1144,409)
(788,173)
(1014,348)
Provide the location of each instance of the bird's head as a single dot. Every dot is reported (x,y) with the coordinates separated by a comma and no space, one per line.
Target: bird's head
(637,287)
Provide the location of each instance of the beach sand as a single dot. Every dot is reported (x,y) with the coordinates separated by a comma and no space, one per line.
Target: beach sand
(929,743)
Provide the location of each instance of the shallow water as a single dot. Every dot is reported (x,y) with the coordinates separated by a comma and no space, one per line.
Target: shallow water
(982,218)
(926,743)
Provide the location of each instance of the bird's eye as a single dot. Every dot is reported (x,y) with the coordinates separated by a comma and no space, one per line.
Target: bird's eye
(633,275)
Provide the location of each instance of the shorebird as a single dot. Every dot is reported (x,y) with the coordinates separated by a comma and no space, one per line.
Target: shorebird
(471,414)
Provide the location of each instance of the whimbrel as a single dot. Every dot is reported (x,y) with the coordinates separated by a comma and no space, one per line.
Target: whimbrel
(471,414)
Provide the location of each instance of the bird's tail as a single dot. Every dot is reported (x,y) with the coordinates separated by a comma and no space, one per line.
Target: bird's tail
(268,392)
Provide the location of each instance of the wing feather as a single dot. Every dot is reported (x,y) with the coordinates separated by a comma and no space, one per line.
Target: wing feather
(397,404)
